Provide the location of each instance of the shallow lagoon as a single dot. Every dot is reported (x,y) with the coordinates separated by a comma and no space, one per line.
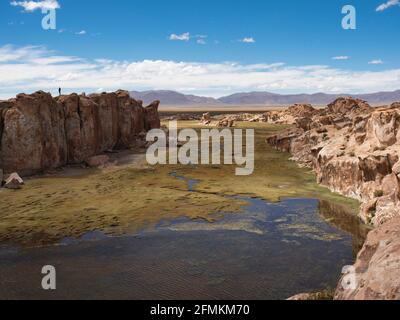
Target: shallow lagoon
(178,232)
(270,251)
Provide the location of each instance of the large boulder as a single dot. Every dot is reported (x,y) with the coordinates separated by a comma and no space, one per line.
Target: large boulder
(206,119)
(376,273)
(348,105)
(382,128)
(302,110)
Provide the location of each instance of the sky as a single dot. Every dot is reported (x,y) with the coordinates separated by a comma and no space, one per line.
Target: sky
(203,47)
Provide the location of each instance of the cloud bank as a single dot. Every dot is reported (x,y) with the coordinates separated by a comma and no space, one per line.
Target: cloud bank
(30,6)
(27,69)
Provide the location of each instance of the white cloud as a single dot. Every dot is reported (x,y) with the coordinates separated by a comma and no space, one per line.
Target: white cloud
(388,4)
(180,37)
(201,41)
(377,61)
(341,58)
(27,69)
(247,40)
(31,6)
(81,33)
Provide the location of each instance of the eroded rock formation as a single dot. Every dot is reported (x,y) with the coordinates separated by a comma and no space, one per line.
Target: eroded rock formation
(39,132)
(355,150)
(377,269)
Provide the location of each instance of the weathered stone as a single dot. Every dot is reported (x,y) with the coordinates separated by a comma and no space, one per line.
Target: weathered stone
(98,161)
(33,137)
(14,181)
(358,156)
(152,118)
(302,111)
(304,123)
(348,105)
(377,269)
(206,119)
(300,297)
(38,132)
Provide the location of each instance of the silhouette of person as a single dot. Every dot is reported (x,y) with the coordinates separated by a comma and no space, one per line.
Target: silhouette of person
(59,91)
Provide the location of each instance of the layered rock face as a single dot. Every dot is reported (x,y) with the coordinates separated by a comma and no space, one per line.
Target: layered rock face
(355,150)
(39,132)
(377,269)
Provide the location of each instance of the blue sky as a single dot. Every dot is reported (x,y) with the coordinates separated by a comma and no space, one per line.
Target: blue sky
(200,47)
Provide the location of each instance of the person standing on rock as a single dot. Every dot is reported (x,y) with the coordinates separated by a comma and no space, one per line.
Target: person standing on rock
(59,91)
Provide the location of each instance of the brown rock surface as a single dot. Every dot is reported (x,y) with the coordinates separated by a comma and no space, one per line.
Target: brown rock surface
(348,105)
(98,161)
(38,132)
(33,135)
(302,111)
(206,119)
(152,118)
(377,269)
(14,181)
(355,150)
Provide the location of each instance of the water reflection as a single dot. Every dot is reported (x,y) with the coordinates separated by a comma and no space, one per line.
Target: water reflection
(342,218)
(269,251)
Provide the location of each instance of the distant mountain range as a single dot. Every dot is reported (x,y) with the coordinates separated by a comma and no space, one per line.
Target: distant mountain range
(173,98)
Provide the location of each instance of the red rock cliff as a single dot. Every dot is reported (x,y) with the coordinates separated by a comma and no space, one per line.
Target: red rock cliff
(39,132)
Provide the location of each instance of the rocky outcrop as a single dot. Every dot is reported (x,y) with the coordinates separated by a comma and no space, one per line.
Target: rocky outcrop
(349,106)
(206,119)
(152,120)
(39,132)
(33,135)
(376,273)
(355,150)
(298,112)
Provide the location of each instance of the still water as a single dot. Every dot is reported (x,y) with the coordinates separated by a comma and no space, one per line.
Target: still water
(269,251)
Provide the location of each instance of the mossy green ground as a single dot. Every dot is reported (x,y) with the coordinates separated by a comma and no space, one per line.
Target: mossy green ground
(131,197)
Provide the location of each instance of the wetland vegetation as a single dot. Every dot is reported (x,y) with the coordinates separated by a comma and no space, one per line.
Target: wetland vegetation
(132,196)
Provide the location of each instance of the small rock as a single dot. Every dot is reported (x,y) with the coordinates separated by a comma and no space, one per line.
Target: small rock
(300,297)
(98,161)
(14,181)
(396,168)
(111,151)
